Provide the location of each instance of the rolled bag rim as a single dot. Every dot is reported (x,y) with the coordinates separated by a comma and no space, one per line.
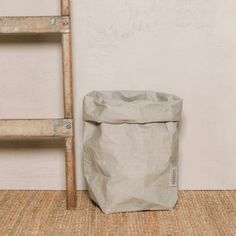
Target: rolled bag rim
(130,106)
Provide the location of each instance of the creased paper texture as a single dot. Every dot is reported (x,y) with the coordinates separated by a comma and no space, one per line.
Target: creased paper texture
(131,149)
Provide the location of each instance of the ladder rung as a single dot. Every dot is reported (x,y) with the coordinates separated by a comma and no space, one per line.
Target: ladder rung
(34,24)
(53,128)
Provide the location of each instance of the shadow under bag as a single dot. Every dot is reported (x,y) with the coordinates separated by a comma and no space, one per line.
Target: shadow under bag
(131,149)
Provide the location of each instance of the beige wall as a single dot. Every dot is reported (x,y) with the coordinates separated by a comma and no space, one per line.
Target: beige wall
(186,47)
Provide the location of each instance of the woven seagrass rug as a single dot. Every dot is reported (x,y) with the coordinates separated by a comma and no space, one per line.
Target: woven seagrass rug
(44,213)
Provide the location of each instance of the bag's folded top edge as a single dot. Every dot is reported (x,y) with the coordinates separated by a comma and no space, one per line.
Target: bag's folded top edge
(131,107)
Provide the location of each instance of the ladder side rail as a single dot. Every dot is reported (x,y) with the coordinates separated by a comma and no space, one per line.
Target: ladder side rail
(68,108)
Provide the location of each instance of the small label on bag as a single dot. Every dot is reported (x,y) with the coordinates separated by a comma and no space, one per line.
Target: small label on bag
(173,177)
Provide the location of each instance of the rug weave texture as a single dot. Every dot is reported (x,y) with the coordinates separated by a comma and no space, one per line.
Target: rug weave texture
(26,213)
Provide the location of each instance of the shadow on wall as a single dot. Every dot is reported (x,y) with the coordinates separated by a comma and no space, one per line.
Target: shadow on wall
(30,39)
(31,144)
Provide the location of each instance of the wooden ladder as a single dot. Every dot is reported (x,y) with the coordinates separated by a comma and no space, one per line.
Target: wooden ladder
(48,128)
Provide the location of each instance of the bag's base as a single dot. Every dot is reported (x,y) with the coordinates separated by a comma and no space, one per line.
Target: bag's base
(133,209)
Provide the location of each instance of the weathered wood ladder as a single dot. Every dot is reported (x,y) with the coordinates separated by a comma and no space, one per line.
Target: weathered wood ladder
(48,128)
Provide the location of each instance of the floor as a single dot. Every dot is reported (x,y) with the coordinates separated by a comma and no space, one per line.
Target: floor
(26,213)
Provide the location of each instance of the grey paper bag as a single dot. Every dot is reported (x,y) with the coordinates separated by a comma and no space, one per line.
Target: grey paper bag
(130,149)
